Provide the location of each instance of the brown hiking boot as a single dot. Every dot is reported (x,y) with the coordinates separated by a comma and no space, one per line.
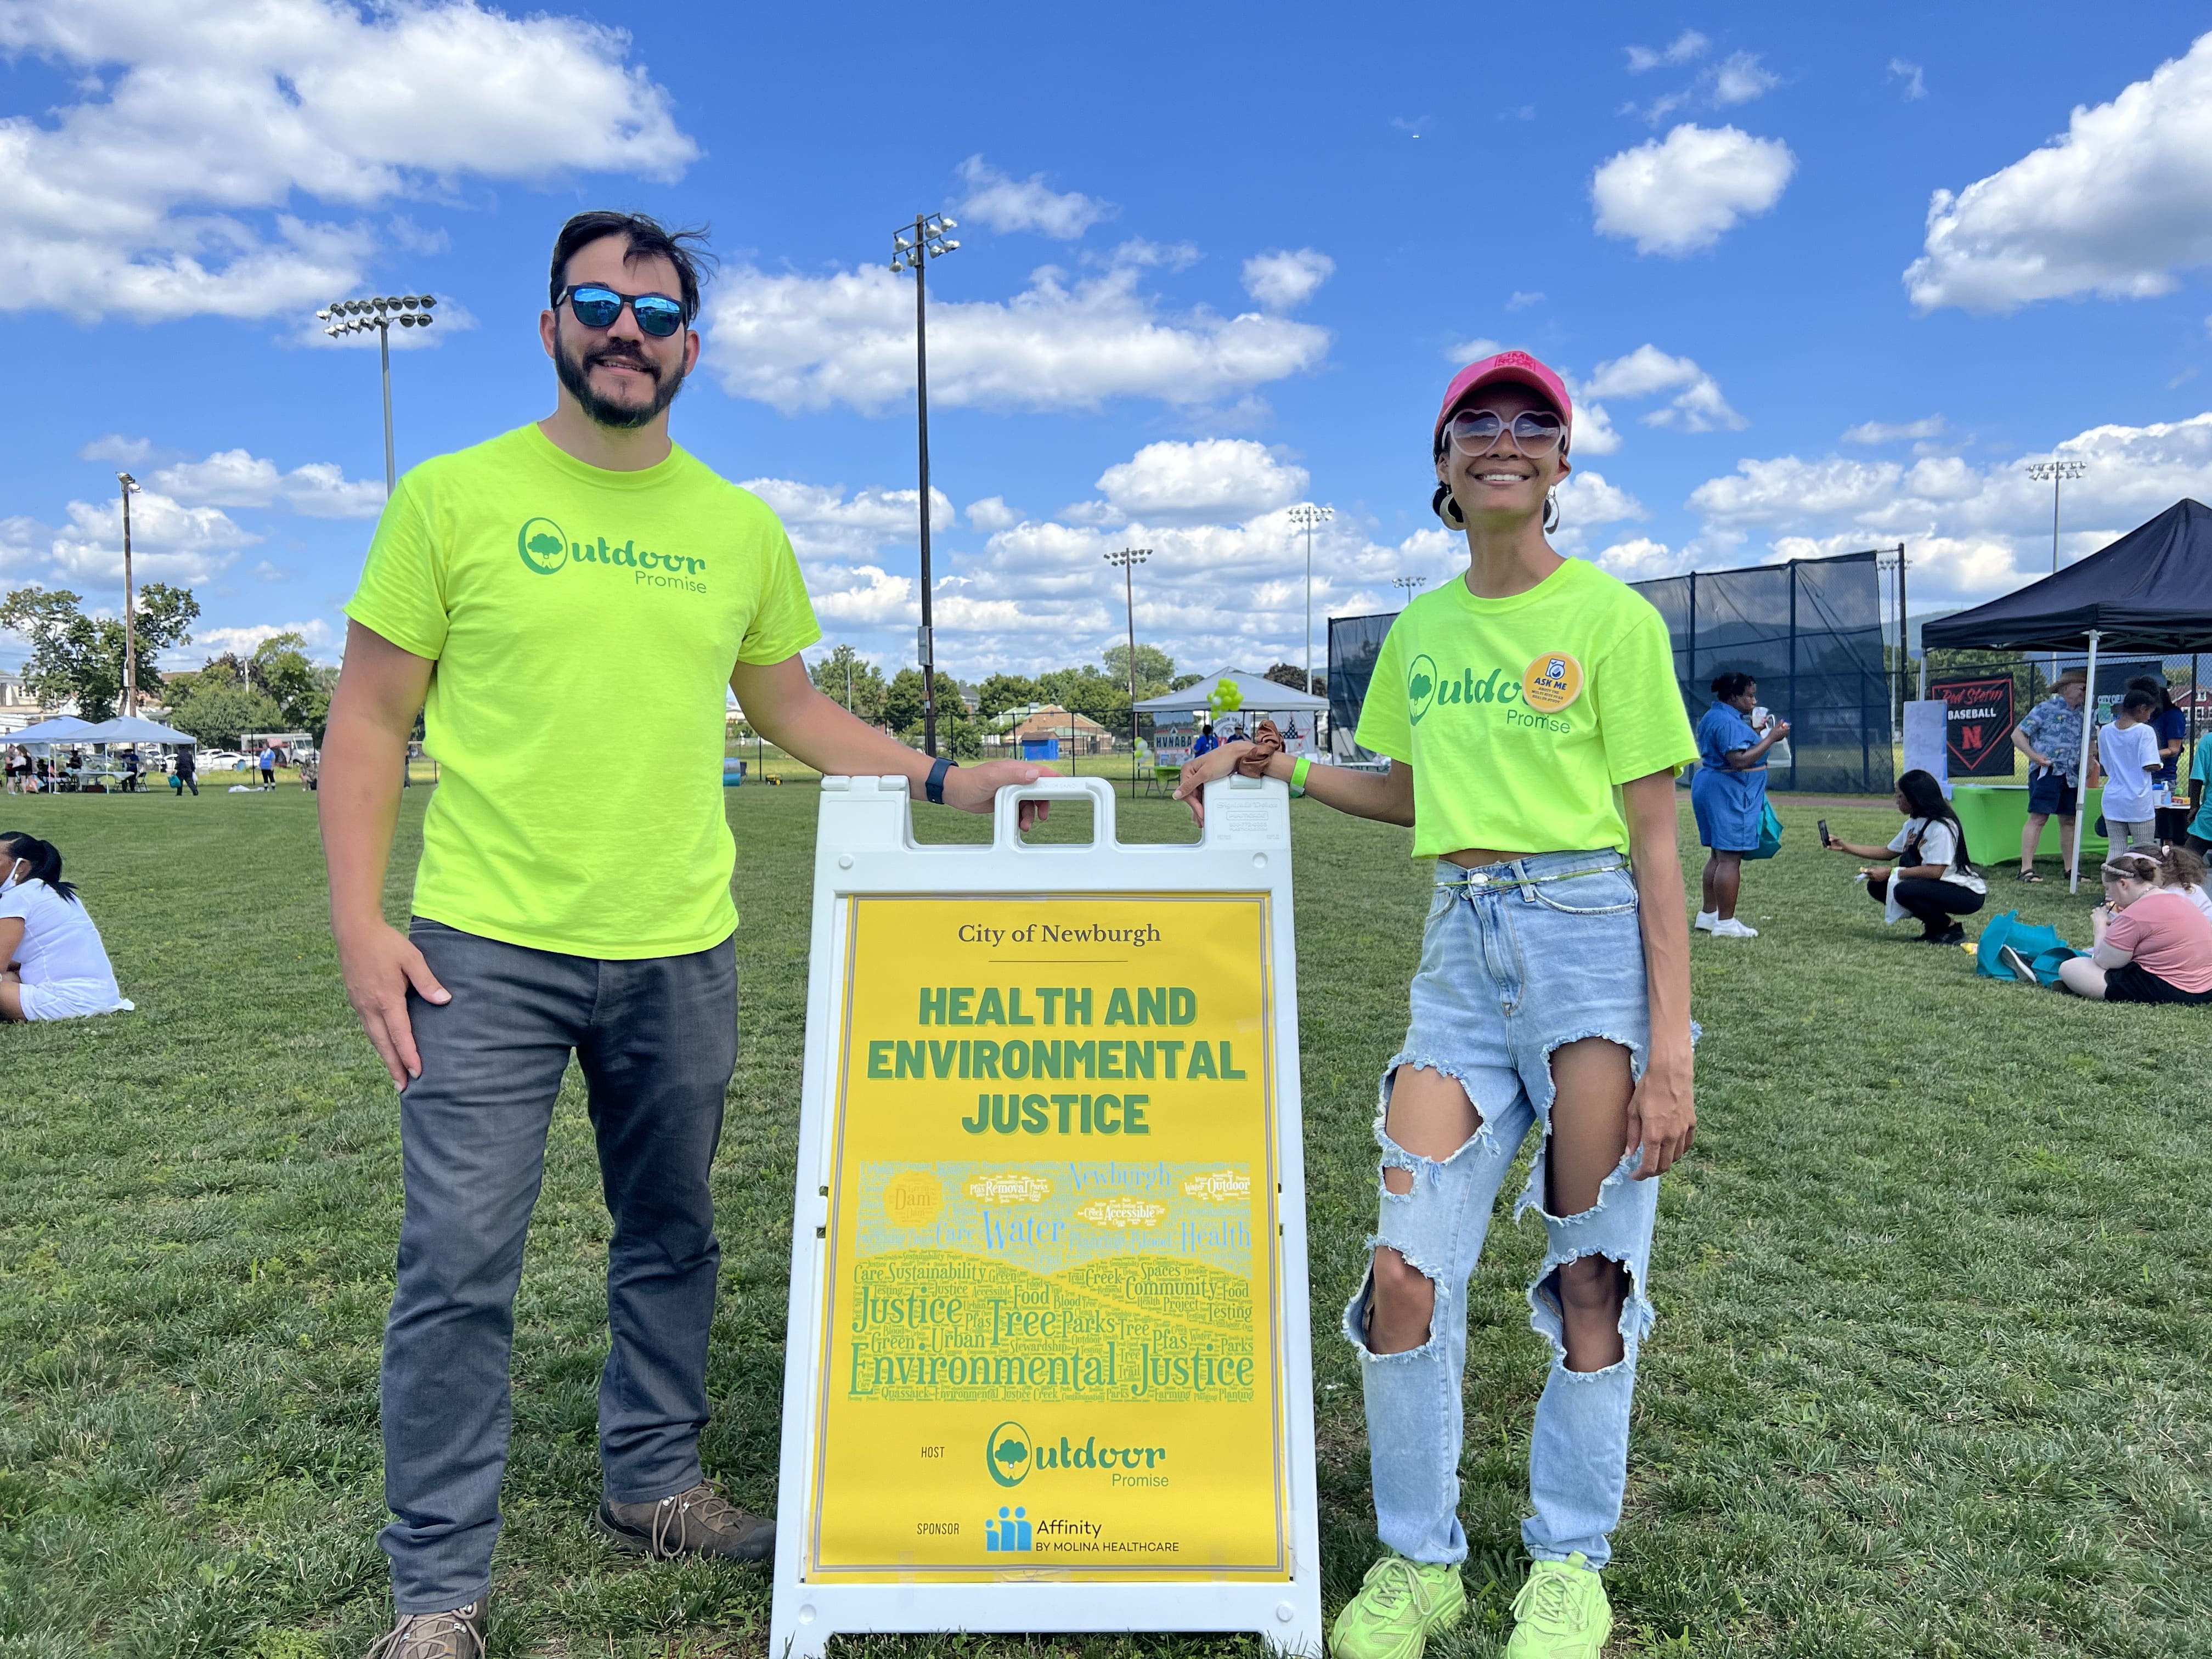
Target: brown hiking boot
(456,1635)
(700,1521)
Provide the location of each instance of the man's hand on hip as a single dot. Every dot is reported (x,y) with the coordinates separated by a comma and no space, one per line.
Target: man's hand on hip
(380,962)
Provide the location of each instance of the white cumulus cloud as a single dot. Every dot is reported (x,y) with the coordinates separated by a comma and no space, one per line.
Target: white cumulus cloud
(170,541)
(1686,47)
(1212,478)
(1970,532)
(1003,204)
(1890,432)
(1696,406)
(1740,77)
(1680,193)
(2115,206)
(234,478)
(179,184)
(1285,281)
(808,342)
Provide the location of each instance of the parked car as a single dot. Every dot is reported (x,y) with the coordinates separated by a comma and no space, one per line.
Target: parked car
(224,760)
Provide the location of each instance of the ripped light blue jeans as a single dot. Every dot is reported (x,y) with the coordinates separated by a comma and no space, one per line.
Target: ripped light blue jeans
(1518,960)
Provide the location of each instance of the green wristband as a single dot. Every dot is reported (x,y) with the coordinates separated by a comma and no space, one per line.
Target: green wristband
(1298,770)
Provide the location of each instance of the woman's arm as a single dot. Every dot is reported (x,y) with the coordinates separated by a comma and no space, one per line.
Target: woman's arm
(11,941)
(1662,1116)
(1881,855)
(1742,760)
(1386,798)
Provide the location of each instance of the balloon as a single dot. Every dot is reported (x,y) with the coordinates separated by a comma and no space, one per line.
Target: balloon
(1224,698)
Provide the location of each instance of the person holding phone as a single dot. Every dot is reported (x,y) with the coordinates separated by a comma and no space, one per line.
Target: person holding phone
(1933,882)
(1729,795)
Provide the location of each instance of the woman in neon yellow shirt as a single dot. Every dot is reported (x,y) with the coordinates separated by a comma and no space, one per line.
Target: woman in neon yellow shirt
(1534,726)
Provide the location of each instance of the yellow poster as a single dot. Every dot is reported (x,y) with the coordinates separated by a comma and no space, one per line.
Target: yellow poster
(1050,1341)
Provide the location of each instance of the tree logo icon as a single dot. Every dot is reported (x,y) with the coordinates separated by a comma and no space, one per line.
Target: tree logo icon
(544,548)
(1420,686)
(1006,1454)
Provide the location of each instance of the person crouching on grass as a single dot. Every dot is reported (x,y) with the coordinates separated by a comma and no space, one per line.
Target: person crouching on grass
(2149,944)
(552,917)
(1529,712)
(1934,882)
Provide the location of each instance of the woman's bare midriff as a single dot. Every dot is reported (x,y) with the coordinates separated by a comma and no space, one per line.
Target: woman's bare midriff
(1473,858)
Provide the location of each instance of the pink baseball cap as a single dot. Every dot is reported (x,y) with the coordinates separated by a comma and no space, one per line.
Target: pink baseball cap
(1518,368)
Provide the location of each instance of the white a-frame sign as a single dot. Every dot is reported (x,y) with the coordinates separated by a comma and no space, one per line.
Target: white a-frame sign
(1049,1367)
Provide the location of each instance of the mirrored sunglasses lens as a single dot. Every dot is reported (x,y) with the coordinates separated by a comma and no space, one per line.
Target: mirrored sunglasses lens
(1535,434)
(657,317)
(1475,428)
(595,307)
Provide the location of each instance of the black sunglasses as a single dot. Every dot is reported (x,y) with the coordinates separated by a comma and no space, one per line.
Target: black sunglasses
(598,307)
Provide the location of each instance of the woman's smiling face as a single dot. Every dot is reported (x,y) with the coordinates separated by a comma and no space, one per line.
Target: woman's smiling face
(1501,485)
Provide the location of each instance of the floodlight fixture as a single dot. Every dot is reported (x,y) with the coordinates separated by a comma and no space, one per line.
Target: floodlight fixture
(909,242)
(1309,516)
(379,311)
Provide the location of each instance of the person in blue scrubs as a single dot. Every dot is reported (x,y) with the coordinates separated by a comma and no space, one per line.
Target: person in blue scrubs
(1729,795)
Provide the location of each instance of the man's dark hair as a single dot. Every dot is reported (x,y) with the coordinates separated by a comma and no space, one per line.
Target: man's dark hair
(648,239)
(2139,703)
(1733,684)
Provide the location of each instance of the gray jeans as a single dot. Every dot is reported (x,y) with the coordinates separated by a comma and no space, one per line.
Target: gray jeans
(657,1040)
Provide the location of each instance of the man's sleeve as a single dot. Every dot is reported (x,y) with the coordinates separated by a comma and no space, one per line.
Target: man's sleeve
(401,596)
(783,623)
(1639,707)
(1385,725)
(2200,768)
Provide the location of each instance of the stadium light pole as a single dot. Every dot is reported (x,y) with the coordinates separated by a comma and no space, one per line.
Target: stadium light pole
(343,317)
(1122,561)
(913,246)
(1309,515)
(2059,472)
(1409,586)
(129,487)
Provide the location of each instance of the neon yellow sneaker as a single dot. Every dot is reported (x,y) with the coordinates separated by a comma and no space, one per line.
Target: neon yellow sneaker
(1561,1612)
(1400,1604)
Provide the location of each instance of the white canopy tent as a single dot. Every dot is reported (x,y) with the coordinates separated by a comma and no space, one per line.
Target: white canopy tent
(1260,695)
(132,729)
(62,728)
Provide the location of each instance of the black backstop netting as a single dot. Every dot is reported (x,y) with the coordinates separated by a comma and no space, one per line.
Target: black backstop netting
(1808,631)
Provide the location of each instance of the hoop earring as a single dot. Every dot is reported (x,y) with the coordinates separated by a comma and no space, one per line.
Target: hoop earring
(1551,511)
(1445,505)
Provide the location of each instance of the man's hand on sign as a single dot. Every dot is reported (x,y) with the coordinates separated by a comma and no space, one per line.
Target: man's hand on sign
(975,788)
(379,964)
(1197,773)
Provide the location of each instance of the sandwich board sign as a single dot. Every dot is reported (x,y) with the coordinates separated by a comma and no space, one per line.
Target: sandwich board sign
(1048,1367)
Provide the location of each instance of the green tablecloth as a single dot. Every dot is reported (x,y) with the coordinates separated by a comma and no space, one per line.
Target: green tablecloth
(1994,814)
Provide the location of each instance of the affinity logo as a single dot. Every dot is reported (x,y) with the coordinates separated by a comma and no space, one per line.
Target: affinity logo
(1008,1532)
(1006,1456)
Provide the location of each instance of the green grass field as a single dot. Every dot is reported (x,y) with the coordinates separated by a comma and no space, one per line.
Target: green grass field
(1928,1377)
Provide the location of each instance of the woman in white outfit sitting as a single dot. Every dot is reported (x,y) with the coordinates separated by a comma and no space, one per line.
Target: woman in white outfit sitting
(53,965)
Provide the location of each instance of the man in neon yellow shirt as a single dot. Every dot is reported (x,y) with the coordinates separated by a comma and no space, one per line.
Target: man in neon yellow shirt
(577,585)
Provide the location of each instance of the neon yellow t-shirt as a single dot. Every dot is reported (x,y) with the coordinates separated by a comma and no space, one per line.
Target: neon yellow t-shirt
(1521,717)
(585,625)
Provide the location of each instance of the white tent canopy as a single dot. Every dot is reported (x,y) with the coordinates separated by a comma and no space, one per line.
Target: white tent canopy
(62,728)
(1261,695)
(131,729)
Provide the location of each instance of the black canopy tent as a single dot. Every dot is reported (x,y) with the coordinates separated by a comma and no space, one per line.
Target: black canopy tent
(2151,591)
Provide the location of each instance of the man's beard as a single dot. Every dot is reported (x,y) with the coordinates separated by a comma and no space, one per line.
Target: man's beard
(575,376)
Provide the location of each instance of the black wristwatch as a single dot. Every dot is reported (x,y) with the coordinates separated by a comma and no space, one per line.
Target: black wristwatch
(934,788)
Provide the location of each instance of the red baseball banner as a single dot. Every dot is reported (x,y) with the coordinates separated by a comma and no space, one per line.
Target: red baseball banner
(1978,721)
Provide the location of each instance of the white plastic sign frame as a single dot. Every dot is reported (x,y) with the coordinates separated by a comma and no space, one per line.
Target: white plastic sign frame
(864,845)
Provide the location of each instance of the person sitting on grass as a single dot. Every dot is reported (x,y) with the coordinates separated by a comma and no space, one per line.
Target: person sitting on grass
(53,965)
(2181,871)
(1934,880)
(2148,944)
(1529,712)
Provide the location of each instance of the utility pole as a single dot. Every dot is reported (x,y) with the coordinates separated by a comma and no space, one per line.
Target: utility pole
(358,317)
(913,246)
(1309,515)
(1122,561)
(130,486)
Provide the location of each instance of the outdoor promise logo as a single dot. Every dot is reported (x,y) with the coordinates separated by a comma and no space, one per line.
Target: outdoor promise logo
(1006,1455)
(546,548)
(1421,685)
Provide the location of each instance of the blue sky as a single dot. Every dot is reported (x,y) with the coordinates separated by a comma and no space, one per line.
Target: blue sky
(1216,261)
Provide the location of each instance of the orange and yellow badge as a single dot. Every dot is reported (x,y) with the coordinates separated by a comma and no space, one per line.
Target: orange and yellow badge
(1551,683)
